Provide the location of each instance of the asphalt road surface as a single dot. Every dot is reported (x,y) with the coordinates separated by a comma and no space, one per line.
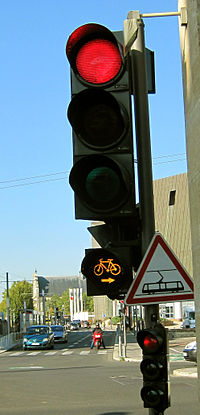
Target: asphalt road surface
(72,379)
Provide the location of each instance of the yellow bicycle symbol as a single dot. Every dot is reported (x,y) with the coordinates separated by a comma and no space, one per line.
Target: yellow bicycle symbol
(108,265)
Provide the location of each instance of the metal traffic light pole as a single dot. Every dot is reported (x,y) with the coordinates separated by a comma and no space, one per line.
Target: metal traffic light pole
(140,92)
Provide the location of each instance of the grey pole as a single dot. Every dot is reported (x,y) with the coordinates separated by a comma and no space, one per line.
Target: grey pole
(43,307)
(124,327)
(8,305)
(146,202)
(143,151)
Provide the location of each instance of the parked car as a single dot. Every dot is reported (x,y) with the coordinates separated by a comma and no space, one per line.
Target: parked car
(67,325)
(77,322)
(60,334)
(40,336)
(190,351)
(86,325)
(74,326)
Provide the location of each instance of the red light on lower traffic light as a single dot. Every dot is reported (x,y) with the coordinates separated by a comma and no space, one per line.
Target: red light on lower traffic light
(150,342)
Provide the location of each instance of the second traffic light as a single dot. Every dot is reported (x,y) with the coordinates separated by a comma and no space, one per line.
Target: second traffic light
(106,273)
(100,114)
(154,367)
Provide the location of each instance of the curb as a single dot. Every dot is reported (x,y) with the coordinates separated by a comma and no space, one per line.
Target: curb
(187,372)
(121,358)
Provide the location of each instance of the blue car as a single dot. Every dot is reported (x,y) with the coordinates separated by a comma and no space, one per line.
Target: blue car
(38,337)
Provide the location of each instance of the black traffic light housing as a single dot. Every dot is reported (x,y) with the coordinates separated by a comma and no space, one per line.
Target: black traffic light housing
(107,273)
(154,367)
(100,114)
(120,243)
(102,176)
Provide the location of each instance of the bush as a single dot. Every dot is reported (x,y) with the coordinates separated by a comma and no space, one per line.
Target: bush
(167,322)
(115,320)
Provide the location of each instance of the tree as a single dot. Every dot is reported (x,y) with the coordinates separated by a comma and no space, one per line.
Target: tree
(59,302)
(88,303)
(20,292)
(65,302)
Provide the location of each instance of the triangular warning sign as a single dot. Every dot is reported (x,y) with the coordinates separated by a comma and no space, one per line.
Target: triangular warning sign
(161,277)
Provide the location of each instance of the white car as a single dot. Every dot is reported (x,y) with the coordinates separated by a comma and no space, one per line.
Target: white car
(60,334)
(190,351)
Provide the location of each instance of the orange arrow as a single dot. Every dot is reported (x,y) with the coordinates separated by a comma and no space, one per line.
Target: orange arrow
(109,280)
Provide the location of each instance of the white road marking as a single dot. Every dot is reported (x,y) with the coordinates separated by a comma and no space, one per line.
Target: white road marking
(85,352)
(16,354)
(33,353)
(68,352)
(50,353)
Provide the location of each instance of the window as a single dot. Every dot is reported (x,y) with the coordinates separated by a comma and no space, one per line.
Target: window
(172,197)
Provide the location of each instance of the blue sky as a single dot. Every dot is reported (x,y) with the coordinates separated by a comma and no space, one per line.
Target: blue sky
(38,229)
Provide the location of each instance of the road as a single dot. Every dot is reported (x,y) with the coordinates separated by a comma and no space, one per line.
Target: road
(74,380)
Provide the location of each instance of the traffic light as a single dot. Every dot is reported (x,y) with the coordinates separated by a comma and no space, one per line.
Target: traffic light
(100,114)
(107,273)
(120,246)
(154,367)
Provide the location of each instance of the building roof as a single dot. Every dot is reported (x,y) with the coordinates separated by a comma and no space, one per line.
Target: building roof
(57,285)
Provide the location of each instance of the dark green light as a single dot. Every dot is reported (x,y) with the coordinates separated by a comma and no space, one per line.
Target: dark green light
(103,185)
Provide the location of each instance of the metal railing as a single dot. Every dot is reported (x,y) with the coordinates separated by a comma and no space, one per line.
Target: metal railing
(10,340)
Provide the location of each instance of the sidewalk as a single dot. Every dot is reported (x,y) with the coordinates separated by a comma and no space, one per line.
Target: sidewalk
(133,353)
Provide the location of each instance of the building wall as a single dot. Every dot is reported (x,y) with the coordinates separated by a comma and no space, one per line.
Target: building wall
(172,215)
(190,52)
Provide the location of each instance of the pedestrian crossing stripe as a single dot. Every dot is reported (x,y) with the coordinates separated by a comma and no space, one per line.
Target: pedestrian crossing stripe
(66,353)
(50,353)
(84,352)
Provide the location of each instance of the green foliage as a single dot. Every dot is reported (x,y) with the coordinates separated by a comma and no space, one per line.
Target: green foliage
(20,292)
(63,303)
(115,320)
(166,322)
(88,303)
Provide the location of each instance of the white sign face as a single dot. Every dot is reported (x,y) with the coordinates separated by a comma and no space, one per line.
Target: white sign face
(160,278)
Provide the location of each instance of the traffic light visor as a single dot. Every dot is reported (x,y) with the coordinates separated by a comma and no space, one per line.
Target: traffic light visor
(98,119)
(152,396)
(99,183)
(94,54)
(151,369)
(149,341)
(103,267)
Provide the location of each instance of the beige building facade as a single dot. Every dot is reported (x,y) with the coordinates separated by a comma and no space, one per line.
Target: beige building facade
(172,215)
(172,220)
(190,52)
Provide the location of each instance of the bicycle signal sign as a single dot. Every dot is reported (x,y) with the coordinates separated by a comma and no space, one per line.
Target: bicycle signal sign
(103,268)
(108,266)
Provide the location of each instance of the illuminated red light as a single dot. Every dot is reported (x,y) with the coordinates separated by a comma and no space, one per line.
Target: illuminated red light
(98,61)
(150,342)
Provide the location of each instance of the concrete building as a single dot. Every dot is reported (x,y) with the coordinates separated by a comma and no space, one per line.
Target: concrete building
(44,287)
(172,220)
(190,52)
